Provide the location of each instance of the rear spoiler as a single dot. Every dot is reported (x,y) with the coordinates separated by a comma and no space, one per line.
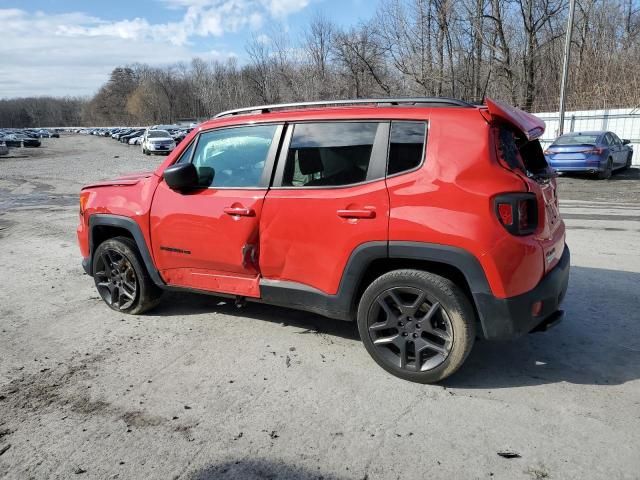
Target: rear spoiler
(531,126)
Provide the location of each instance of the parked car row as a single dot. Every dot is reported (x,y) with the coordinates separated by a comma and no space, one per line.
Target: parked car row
(595,152)
(23,137)
(153,139)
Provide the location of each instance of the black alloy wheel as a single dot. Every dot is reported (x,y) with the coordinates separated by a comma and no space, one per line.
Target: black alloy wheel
(409,329)
(116,280)
(416,325)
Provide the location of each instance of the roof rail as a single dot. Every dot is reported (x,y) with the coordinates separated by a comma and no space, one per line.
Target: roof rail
(434,101)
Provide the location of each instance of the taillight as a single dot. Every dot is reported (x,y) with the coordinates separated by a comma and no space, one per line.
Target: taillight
(593,151)
(84,198)
(517,212)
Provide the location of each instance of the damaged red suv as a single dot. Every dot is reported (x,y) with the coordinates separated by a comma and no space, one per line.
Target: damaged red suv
(429,221)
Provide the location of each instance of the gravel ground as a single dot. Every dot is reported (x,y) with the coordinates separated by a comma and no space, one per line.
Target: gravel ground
(197,389)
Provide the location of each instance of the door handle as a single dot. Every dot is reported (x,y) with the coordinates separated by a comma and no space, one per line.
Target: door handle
(239,211)
(357,213)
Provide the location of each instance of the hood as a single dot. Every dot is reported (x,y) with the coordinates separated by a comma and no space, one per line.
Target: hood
(160,139)
(531,126)
(127,179)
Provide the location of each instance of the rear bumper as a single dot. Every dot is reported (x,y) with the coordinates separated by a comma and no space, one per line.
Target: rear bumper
(508,318)
(594,164)
(586,169)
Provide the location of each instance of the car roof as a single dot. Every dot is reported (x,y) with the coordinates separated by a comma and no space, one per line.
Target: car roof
(337,113)
(585,132)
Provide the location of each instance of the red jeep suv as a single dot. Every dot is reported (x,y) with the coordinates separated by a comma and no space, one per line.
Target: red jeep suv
(429,221)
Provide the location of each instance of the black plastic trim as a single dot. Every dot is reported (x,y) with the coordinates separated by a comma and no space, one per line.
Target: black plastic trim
(339,306)
(126,223)
(508,318)
(342,305)
(500,319)
(464,261)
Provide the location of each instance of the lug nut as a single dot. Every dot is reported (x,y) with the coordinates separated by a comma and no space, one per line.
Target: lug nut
(415,335)
(400,324)
(404,334)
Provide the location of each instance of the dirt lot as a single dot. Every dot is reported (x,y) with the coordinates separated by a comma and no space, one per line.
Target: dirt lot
(199,390)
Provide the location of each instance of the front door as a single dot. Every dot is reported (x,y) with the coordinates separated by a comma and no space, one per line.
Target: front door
(329,196)
(620,155)
(208,238)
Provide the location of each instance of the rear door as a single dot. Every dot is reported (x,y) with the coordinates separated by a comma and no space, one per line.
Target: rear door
(208,238)
(328,197)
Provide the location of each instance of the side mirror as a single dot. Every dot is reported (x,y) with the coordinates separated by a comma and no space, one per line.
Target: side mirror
(181,176)
(626,141)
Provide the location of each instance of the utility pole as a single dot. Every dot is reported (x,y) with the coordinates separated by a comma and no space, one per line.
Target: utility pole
(565,66)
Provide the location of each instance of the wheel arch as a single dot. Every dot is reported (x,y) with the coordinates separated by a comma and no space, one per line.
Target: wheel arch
(105,226)
(453,263)
(370,260)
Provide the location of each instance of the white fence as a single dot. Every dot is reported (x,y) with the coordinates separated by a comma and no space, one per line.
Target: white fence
(624,122)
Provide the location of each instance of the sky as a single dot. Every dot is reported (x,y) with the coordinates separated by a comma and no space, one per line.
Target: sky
(69,47)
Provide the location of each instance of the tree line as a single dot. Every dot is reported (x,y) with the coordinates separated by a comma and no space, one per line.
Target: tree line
(506,49)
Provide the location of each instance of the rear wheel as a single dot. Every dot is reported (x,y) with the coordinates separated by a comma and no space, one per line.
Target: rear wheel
(416,325)
(608,171)
(121,278)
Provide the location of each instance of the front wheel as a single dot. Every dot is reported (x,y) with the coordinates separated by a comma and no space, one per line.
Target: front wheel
(121,278)
(416,325)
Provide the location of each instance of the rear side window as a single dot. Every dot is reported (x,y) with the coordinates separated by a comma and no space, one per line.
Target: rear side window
(329,154)
(406,146)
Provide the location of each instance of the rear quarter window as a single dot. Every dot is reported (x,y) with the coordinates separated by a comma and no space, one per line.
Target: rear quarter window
(406,146)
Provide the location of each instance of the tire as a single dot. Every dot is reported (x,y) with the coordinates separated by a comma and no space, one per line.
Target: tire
(403,306)
(608,171)
(127,269)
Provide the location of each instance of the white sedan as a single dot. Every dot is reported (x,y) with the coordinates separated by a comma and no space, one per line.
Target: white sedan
(136,140)
(157,141)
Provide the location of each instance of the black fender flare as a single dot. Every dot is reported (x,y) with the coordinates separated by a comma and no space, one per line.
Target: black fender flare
(130,225)
(340,305)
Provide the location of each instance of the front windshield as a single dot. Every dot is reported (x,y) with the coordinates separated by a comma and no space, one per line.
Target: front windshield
(158,134)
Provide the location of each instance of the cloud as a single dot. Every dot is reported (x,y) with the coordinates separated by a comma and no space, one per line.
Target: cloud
(282,8)
(73,53)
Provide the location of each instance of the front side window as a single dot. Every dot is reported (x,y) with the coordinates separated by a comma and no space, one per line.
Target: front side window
(616,139)
(233,157)
(185,156)
(406,146)
(329,154)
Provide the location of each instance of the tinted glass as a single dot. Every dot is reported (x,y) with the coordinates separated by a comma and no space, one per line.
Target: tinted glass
(406,146)
(185,156)
(158,134)
(233,157)
(329,154)
(577,140)
(616,140)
